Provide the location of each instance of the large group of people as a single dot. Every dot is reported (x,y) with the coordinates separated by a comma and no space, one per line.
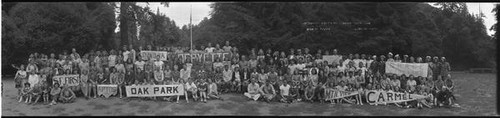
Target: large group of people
(297,75)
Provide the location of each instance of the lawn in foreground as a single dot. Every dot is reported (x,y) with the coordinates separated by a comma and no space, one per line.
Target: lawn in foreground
(476,94)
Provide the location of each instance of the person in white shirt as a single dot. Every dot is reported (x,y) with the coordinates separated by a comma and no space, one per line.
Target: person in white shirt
(158,64)
(184,73)
(139,64)
(125,53)
(226,47)
(356,60)
(192,89)
(253,91)
(284,92)
(112,59)
(227,76)
(209,48)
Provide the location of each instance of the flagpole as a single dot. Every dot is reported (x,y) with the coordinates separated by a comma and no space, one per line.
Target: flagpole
(191,25)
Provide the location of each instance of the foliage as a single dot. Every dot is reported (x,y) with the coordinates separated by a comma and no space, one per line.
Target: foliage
(416,29)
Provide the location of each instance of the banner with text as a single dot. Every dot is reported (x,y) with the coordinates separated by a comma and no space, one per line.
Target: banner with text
(154,90)
(107,90)
(381,97)
(336,94)
(332,59)
(194,57)
(415,69)
(147,55)
(70,80)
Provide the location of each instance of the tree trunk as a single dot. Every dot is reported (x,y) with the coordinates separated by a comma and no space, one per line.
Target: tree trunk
(123,25)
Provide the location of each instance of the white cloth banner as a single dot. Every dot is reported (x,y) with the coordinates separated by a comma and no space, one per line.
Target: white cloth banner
(336,94)
(107,90)
(332,59)
(147,55)
(381,97)
(70,80)
(415,69)
(154,90)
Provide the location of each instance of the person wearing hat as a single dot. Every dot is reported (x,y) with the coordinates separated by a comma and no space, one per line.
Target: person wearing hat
(253,90)
(389,57)
(419,60)
(445,68)
(397,58)
(405,59)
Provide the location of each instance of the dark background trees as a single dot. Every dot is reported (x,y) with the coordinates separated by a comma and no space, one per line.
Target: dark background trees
(404,28)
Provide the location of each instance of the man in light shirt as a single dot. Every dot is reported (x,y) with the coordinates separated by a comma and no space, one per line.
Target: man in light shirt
(253,91)
(209,48)
(284,92)
(227,76)
(140,63)
(226,47)
(125,53)
(159,64)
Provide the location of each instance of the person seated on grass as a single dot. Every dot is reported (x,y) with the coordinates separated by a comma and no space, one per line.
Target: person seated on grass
(422,102)
(67,95)
(267,90)
(203,87)
(45,92)
(36,94)
(285,89)
(192,89)
(320,92)
(212,90)
(253,90)
(309,92)
(449,87)
(360,90)
(55,92)
(26,93)
(343,87)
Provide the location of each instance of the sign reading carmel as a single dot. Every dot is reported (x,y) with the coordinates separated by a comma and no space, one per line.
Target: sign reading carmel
(154,90)
(381,97)
(70,80)
(415,69)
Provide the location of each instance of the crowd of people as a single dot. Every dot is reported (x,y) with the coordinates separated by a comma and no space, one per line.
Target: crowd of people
(270,76)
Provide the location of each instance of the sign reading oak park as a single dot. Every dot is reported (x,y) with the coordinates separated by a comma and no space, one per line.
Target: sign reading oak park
(154,90)
(381,97)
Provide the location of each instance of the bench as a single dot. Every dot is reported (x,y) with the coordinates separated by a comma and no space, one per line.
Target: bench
(483,70)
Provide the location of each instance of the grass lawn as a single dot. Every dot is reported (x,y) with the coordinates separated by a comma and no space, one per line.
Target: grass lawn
(476,94)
